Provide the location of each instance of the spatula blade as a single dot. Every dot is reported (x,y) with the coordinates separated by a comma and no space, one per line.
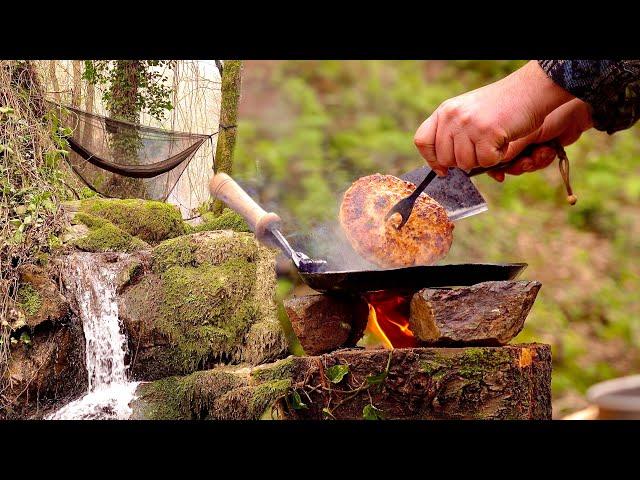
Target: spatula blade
(455,192)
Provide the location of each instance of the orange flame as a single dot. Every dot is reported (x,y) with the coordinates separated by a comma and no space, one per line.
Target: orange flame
(389,319)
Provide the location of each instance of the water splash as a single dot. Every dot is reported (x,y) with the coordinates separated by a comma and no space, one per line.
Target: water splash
(92,281)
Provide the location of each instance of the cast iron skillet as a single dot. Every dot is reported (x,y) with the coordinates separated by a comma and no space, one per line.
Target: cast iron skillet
(354,281)
(462,274)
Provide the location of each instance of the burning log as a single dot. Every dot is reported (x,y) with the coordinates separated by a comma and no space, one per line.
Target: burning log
(323,323)
(489,313)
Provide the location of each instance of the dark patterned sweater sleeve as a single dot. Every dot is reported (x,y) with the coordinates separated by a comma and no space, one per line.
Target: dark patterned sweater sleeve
(610,87)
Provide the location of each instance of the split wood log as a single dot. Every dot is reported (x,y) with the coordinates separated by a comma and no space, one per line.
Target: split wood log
(510,382)
(489,313)
(323,323)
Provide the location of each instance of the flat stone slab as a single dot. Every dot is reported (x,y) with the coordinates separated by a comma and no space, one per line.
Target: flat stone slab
(489,313)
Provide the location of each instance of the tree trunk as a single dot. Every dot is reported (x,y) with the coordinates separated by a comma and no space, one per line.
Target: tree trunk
(54,80)
(124,91)
(125,144)
(510,382)
(76,91)
(227,128)
(230,91)
(88,106)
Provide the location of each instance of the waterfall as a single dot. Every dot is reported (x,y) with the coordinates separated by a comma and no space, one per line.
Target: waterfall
(92,281)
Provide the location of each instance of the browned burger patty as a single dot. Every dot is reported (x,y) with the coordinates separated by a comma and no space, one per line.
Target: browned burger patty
(423,240)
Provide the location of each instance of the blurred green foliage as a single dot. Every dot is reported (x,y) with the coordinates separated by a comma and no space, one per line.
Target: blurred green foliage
(309,128)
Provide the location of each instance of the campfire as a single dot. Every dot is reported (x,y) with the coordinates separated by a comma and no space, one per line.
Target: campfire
(388,319)
(440,352)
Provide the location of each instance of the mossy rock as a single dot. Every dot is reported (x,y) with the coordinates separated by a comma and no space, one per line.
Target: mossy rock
(227,220)
(223,393)
(204,298)
(108,238)
(148,220)
(38,299)
(29,299)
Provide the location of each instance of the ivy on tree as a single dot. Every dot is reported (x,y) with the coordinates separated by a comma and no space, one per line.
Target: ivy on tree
(144,77)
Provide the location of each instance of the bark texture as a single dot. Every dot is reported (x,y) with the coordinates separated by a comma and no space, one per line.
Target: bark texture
(323,323)
(230,91)
(489,313)
(510,382)
(76,91)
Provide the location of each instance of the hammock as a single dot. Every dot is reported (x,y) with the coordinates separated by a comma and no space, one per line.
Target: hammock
(125,160)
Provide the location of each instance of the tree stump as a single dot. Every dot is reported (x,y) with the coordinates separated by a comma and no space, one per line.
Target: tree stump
(510,382)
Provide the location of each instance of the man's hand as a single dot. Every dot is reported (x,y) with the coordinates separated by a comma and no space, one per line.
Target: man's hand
(566,123)
(480,128)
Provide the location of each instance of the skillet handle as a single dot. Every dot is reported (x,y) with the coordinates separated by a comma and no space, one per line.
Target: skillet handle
(505,166)
(224,188)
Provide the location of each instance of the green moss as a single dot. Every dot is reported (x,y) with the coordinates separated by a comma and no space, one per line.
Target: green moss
(175,252)
(476,361)
(278,371)
(109,238)
(29,299)
(216,393)
(265,394)
(165,399)
(90,221)
(431,367)
(207,310)
(473,363)
(190,251)
(148,220)
(227,220)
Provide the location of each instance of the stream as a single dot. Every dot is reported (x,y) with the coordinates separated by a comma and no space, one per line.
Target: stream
(110,392)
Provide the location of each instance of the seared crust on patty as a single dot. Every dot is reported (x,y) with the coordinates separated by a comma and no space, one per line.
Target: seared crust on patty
(423,240)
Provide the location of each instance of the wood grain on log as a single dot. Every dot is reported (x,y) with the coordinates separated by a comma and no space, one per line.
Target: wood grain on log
(489,313)
(510,382)
(323,323)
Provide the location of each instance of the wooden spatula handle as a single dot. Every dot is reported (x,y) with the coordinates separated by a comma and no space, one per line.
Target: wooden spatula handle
(224,188)
(528,151)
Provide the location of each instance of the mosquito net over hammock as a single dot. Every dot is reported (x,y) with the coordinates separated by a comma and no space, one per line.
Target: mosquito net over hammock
(125,160)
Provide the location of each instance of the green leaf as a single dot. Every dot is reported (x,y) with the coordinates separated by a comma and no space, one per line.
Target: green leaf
(369,412)
(327,413)
(6,110)
(25,338)
(380,377)
(296,401)
(6,148)
(337,372)
(65,131)
(376,379)
(18,237)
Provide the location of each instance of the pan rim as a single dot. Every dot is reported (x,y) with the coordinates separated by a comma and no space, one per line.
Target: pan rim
(447,265)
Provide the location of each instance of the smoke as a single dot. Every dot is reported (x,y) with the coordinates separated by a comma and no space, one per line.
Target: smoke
(322,241)
(328,242)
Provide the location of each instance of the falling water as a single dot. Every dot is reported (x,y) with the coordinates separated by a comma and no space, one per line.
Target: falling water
(93,284)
